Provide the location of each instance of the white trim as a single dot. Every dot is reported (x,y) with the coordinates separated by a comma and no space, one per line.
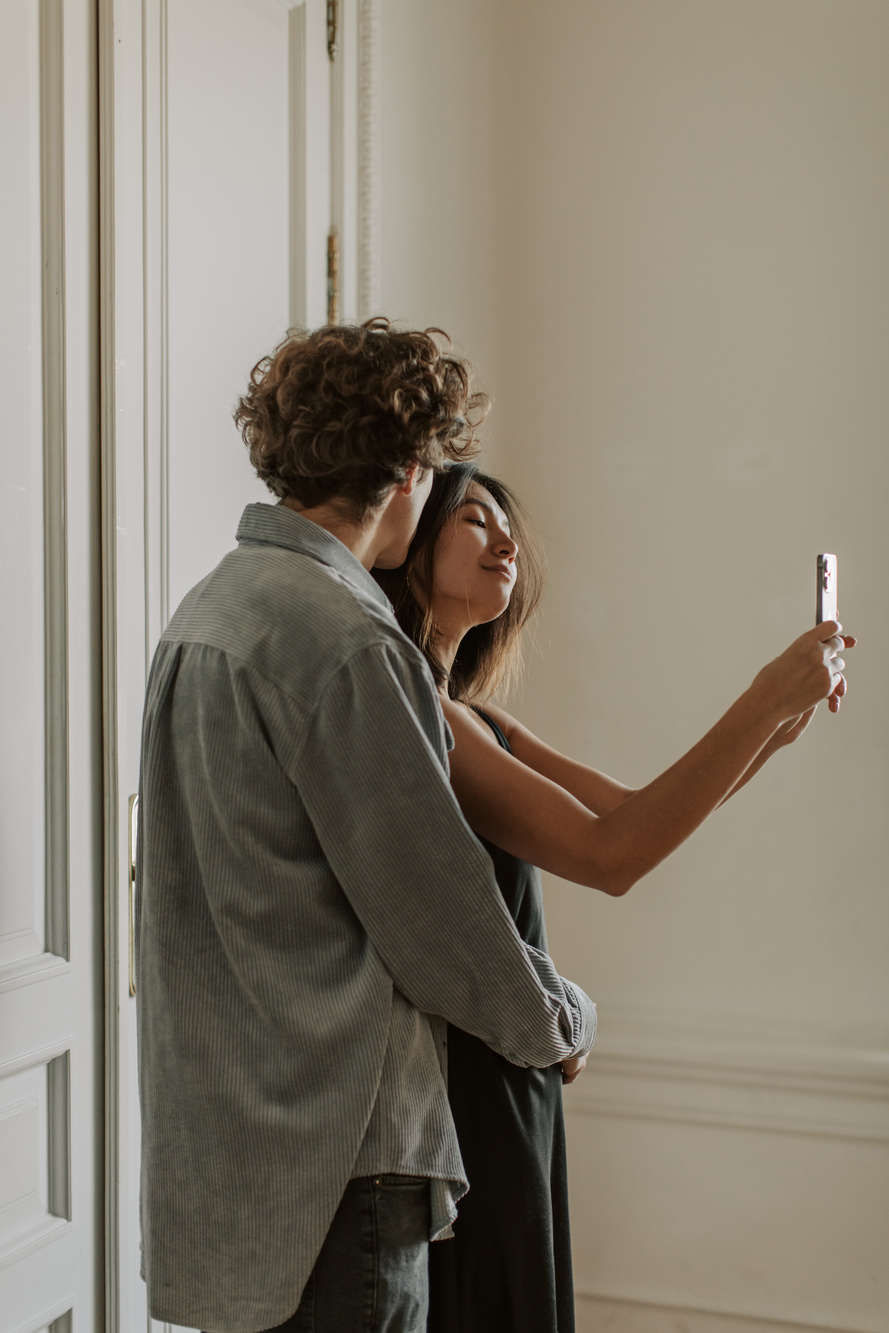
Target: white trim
(368,153)
(347,113)
(156,323)
(310,164)
(620,1314)
(274,10)
(47,1318)
(335,69)
(296,151)
(736,1073)
(38,967)
(51,1229)
(58,1130)
(34,1059)
(107,410)
(55,527)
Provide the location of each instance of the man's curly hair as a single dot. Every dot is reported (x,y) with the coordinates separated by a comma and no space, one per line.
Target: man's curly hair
(341,413)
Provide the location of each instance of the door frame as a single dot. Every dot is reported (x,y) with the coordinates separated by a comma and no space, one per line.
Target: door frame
(132,287)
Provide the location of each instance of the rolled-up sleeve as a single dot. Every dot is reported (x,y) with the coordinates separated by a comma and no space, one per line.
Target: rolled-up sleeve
(370,769)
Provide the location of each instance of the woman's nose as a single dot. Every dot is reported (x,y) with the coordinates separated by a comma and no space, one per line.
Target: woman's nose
(506,547)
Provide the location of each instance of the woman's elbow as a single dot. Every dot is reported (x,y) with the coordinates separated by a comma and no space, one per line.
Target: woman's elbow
(614,881)
(620,884)
(612,863)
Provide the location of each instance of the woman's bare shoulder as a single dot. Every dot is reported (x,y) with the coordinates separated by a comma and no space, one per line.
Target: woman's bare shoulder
(505,721)
(466,724)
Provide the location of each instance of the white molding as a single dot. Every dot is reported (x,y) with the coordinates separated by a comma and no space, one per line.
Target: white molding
(107,52)
(164,329)
(38,967)
(55,527)
(156,323)
(343,73)
(48,1319)
(296,152)
(336,72)
(730,1072)
(44,1234)
(58,1130)
(368,110)
(334,161)
(43,1055)
(619,1314)
(347,59)
(55,1060)
(275,10)
(310,162)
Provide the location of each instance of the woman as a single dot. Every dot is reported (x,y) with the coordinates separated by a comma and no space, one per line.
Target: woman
(471,580)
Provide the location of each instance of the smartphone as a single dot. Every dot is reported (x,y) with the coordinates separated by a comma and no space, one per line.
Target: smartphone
(826,602)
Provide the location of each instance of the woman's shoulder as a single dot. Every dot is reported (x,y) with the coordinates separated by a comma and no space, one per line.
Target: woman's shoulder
(466,724)
(504,720)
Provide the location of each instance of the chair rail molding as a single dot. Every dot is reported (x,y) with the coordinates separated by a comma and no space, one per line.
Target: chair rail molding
(738,1073)
(620,1315)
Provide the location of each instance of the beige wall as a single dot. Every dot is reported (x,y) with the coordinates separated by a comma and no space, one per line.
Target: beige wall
(438,253)
(662,227)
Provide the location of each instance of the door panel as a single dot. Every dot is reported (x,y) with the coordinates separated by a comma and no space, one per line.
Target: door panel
(22,791)
(50,785)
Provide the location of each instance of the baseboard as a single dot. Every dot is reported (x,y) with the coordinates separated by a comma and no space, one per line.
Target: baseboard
(606,1314)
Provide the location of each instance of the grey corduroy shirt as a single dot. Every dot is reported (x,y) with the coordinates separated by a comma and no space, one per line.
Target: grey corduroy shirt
(308,894)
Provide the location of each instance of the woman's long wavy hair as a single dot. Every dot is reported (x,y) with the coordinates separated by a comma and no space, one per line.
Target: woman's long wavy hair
(489,657)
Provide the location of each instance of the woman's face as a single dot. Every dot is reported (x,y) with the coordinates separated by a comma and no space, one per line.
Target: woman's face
(473,564)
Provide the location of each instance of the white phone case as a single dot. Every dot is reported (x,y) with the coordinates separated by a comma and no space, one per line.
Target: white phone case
(826,604)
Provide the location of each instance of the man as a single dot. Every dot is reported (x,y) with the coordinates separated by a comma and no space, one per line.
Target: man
(309,893)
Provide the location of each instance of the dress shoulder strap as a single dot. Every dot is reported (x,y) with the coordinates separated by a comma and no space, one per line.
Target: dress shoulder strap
(486,717)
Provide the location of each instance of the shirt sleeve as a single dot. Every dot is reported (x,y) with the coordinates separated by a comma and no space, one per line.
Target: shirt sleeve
(371,773)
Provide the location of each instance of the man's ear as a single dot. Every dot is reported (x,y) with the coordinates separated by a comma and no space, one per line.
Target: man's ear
(413,474)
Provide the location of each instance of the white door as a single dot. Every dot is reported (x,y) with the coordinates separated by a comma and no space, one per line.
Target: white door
(235,157)
(50,704)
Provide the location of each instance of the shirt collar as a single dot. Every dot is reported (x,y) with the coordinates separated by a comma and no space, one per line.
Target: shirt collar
(276,525)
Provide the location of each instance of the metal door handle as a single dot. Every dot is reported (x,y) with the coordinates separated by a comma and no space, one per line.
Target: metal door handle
(133,825)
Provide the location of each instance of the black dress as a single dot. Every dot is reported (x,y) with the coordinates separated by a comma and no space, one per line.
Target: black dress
(508,1268)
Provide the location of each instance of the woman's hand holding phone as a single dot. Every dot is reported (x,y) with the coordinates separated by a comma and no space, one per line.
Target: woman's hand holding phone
(806,673)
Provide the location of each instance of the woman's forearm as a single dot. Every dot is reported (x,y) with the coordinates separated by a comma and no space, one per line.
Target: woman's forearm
(654,820)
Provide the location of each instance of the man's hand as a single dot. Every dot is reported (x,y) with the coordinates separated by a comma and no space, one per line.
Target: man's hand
(571,1068)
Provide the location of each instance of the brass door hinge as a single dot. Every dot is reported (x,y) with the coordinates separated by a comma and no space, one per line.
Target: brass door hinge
(333,277)
(333,17)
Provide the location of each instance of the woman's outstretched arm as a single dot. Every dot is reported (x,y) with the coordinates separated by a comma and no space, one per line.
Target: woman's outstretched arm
(586,827)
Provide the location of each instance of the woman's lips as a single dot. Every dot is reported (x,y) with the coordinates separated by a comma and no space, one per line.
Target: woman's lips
(504,572)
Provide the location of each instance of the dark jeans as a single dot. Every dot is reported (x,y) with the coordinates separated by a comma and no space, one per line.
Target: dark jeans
(371,1275)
